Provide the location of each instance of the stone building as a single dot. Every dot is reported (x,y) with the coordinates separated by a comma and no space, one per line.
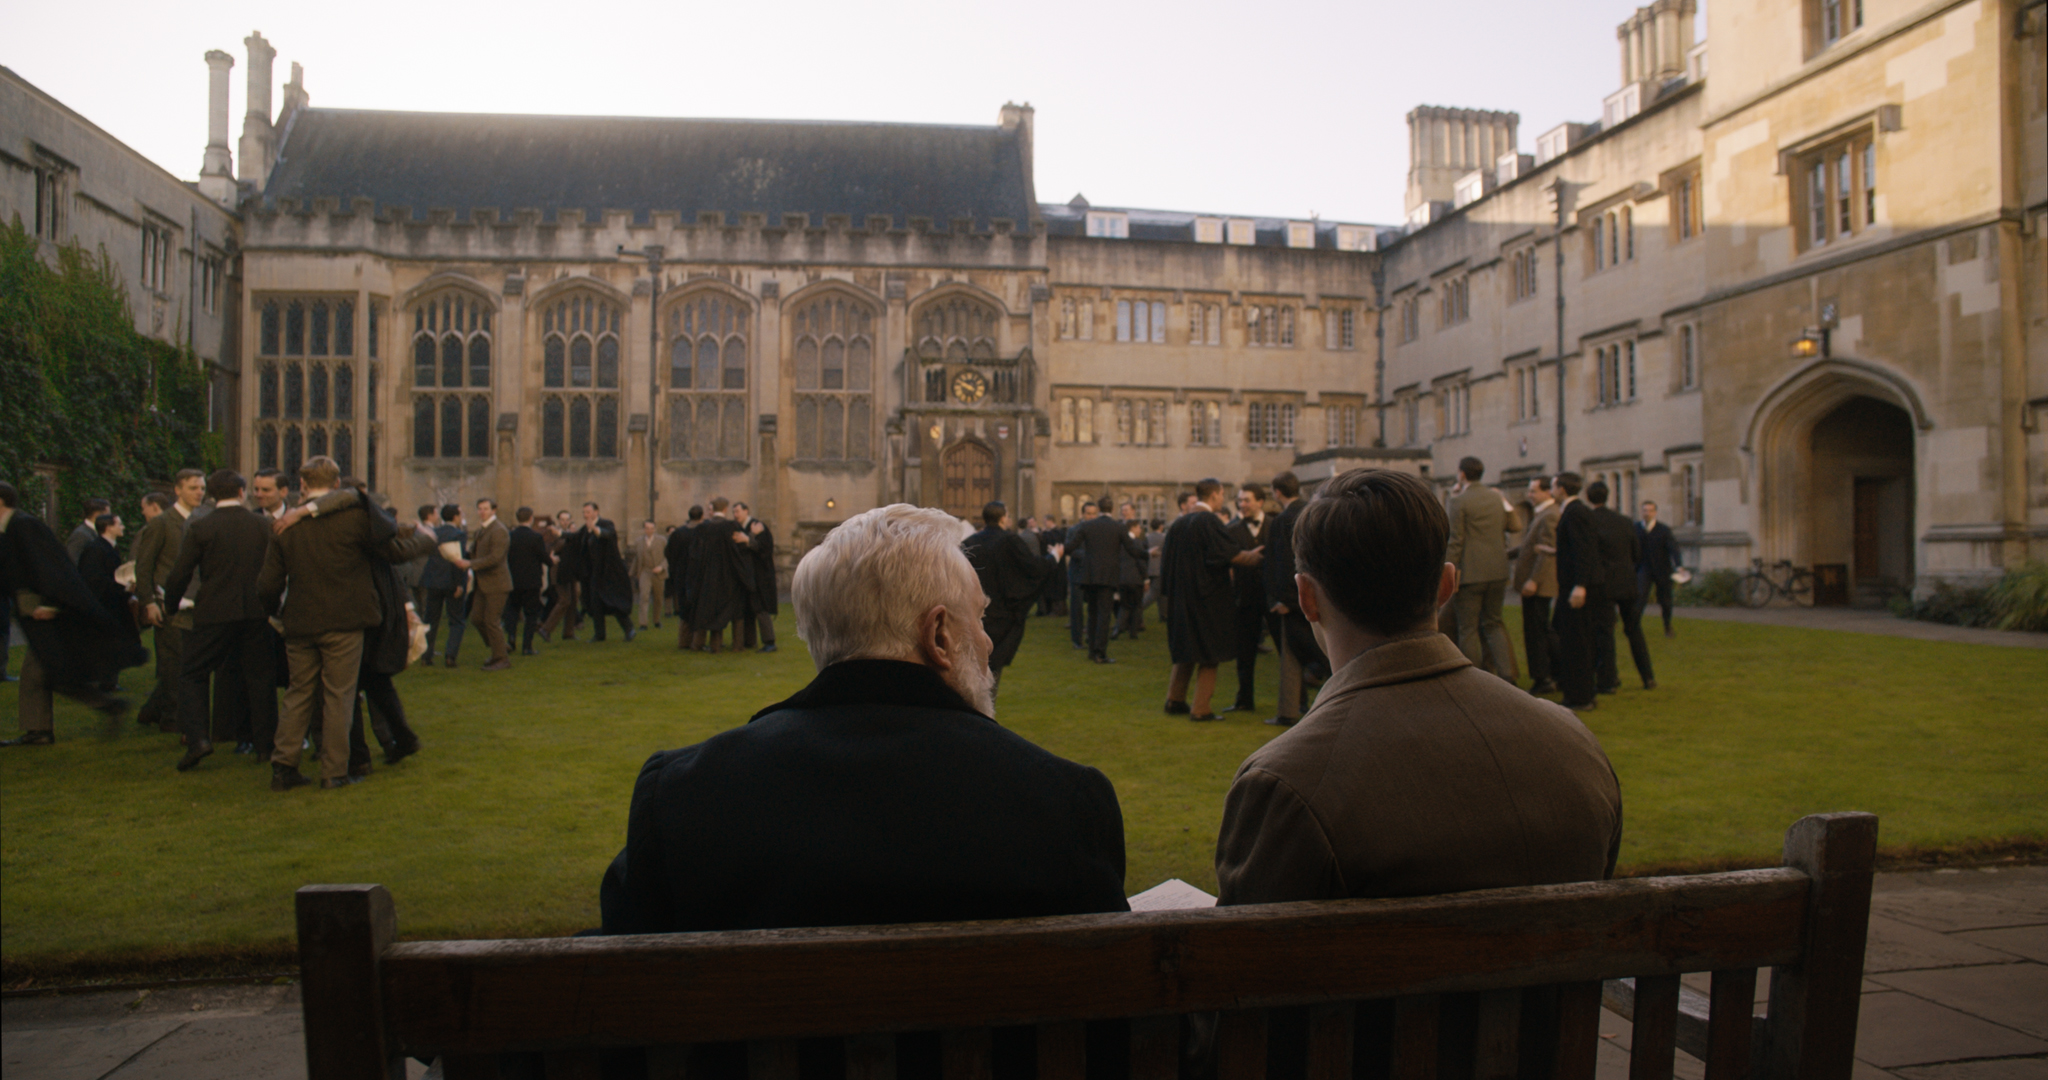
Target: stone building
(1799,303)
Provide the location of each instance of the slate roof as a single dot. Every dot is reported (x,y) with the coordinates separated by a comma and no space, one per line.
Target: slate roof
(470,161)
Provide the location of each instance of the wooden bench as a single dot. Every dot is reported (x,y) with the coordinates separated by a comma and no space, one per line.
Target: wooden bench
(1478,985)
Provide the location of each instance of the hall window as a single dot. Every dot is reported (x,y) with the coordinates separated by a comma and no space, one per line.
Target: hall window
(1269,325)
(709,333)
(1141,422)
(957,330)
(1454,409)
(1411,418)
(1077,319)
(1454,300)
(1205,423)
(1411,318)
(1523,267)
(1839,183)
(834,339)
(157,245)
(1269,424)
(452,334)
(580,347)
(1528,399)
(1340,328)
(1205,323)
(49,203)
(210,270)
(1690,509)
(1342,424)
(306,378)
(1076,419)
(1141,321)
(1687,216)
(1614,237)
(1615,373)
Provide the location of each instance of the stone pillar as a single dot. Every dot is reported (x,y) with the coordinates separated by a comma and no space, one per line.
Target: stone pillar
(256,146)
(217,173)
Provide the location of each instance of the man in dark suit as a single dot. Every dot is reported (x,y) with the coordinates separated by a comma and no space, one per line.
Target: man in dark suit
(607,588)
(85,532)
(883,792)
(326,559)
(1619,554)
(75,646)
(1249,582)
(1535,578)
(1660,557)
(762,600)
(565,577)
(490,582)
(1103,543)
(1194,577)
(678,553)
(156,550)
(447,587)
(1291,633)
(1580,595)
(1010,578)
(229,621)
(527,558)
(1416,773)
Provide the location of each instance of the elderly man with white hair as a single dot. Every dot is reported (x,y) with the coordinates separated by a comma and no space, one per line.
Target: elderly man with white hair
(884,791)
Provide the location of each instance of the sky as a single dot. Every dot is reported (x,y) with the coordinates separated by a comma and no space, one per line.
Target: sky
(1282,108)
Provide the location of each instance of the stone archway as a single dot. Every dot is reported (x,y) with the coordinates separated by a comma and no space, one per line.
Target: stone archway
(967,479)
(1835,452)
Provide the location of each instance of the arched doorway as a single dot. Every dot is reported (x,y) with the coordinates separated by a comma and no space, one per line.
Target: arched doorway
(1834,448)
(1861,493)
(969,469)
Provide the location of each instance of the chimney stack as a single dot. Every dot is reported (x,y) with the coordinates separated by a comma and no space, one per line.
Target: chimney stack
(217,173)
(295,98)
(257,138)
(1446,144)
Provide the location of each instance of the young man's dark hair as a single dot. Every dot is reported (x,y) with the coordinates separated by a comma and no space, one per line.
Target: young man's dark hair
(269,474)
(225,484)
(1287,485)
(488,501)
(992,514)
(592,506)
(1181,503)
(95,507)
(1542,482)
(188,474)
(428,512)
(11,498)
(155,498)
(1204,489)
(1256,491)
(1570,482)
(1596,493)
(450,511)
(104,522)
(523,515)
(696,513)
(1374,540)
(1105,504)
(1471,469)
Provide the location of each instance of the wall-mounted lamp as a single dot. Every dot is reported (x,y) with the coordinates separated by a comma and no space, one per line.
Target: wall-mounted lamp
(831,504)
(1812,343)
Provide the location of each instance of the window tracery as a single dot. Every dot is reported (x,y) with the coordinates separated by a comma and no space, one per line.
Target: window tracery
(834,344)
(708,359)
(580,348)
(305,380)
(451,351)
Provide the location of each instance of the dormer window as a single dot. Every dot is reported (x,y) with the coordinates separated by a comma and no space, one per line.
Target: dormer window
(1109,225)
(1241,231)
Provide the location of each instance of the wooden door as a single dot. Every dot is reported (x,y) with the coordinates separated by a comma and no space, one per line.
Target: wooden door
(1869,501)
(970,471)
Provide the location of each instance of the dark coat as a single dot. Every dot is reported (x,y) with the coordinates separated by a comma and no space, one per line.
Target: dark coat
(1011,577)
(607,590)
(1659,550)
(226,548)
(874,795)
(1277,565)
(1249,581)
(328,562)
(1194,575)
(385,645)
(527,558)
(681,544)
(723,574)
(439,572)
(1100,544)
(85,645)
(1619,553)
(96,564)
(1578,550)
(761,546)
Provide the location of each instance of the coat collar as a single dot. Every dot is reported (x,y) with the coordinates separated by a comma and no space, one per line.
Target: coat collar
(876,682)
(1420,655)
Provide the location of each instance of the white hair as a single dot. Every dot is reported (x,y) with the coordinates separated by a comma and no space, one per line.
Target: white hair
(859,593)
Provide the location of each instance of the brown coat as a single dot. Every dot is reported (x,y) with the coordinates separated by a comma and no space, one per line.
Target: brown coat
(327,561)
(1417,774)
(1542,565)
(488,546)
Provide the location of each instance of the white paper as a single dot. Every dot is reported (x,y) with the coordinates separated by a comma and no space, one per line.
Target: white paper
(1171,895)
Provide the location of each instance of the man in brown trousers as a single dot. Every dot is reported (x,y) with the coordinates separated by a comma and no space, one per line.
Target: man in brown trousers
(1416,773)
(326,560)
(489,542)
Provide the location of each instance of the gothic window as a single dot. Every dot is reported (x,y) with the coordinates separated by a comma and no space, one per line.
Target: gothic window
(708,337)
(1076,319)
(834,340)
(1340,328)
(581,339)
(1269,325)
(1411,318)
(1141,321)
(1205,423)
(958,329)
(1205,323)
(452,344)
(305,379)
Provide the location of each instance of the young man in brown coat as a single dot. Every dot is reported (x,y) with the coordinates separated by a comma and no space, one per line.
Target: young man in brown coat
(1415,773)
(490,542)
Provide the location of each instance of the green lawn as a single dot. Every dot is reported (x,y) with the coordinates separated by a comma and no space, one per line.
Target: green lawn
(503,825)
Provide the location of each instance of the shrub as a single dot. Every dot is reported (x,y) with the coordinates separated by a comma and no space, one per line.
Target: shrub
(2021,598)
(1955,605)
(1712,588)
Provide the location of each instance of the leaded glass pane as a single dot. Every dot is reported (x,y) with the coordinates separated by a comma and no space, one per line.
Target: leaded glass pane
(266,392)
(858,437)
(807,363)
(345,330)
(268,335)
(679,364)
(294,391)
(707,363)
(266,448)
(317,343)
(451,361)
(579,362)
(479,427)
(608,363)
(735,364)
(451,426)
(551,427)
(344,450)
(834,371)
(423,361)
(859,362)
(316,392)
(295,329)
(294,452)
(316,441)
(423,426)
(551,363)
(479,361)
(807,427)
(679,427)
(371,396)
(707,428)
(344,391)
(733,437)
(579,427)
(608,426)
(832,429)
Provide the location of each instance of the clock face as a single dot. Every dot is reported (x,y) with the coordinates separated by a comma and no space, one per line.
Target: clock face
(969,387)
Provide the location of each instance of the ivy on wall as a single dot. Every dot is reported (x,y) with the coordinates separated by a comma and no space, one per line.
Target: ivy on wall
(116,413)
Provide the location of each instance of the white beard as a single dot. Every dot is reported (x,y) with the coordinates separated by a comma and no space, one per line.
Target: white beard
(972,679)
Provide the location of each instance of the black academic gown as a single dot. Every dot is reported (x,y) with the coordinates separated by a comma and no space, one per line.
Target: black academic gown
(606,588)
(1194,576)
(677,552)
(86,645)
(761,548)
(96,564)
(1011,578)
(725,575)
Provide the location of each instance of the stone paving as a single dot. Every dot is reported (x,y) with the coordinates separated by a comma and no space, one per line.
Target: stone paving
(1861,621)
(1955,988)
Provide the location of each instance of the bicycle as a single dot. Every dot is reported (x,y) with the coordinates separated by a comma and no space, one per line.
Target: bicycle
(1757,587)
